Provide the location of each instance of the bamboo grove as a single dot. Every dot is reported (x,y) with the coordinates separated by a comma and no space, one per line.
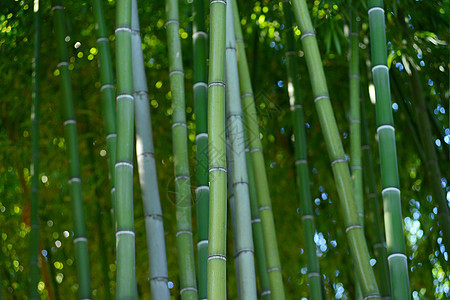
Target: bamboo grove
(224,149)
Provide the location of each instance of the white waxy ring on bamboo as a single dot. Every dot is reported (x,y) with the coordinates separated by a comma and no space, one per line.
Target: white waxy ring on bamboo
(202,242)
(380,66)
(308,217)
(146,154)
(385,127)
(273,269)
(102,39)
(201,135)
(141,92)
(256,150)
(339,160)
(243,251)
(355,121)
(74,179)
(306,34)
(247,95)
(375,8)
(182,177)
(176,72)
(352,227)
(63,63)
(321,97)
(239,182)
(212,83)
(125,232)
(57,7)
(159,278)
(179,124)
(113,190)
(200,33)
(390,189)
(123,163)
(203,84)
(372,296)
(67,122)
(217,169)
(266,292)
(154,216)
(80,239)
(188,289)
(112,135)
(172,22)
(256,220)
(123,96)
(122,28)
(301,161)
(218,1)
(184,232)
(106,86)
(396,255)
(265,208)
(202,187)
(312,274)
(217,256)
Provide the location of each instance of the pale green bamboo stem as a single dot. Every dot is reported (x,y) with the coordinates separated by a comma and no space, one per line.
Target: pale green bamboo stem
(125,237)
(259,170)
(301,158)
(339,165)
(70,128)
(244,241)
(188,284)
(397,259)
(200,87)
(108,95)
(34,169)
(147,168)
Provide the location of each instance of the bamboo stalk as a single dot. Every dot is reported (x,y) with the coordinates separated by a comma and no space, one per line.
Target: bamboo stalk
(108,95)
(339,165)
(147,167)
(188,285)
(201,124)
(301,163)
(244,242)
(125,237)
(397,259)
(216,266)
(34,169)
(259,171)
(70,128)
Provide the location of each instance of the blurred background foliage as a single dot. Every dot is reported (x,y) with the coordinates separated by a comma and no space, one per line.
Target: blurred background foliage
(416,30)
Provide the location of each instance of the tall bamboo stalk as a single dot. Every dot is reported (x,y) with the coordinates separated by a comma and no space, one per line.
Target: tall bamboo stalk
(34,234)
(108,95)
(397,259)
(431,163)
(301,162)
(216,282)
(244,241)
(70,128)
(125,237)
(201,124)
(188,284)
(259,171)
(147,168)
(339,165)
(375,224)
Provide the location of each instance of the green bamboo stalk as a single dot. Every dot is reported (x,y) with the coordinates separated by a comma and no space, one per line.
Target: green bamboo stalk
(108,95)
(188,284)
(301,163)
(431,164)
(398,265)
(216,266)
(147,168)
(259,171)
(339,165)
(375,224)
(125,237)
(244,241)
(70,128)
(34,234)
(201,123)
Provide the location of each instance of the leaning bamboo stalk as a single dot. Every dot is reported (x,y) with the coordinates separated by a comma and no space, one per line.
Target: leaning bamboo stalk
(301,162)
(70,128)
(259,171)
(125,237)
(147,168)
(108,95)
(339,165)
(244,241)
(216,266)
(398,264)
(34,234)
(188,285)
(199,37)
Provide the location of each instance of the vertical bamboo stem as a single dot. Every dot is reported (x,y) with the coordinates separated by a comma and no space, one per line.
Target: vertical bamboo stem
(397,259)
(70,128)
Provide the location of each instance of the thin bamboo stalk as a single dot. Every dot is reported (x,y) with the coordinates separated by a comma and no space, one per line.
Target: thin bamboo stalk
(108,95)
(147,168)
(259,171)
(201,124)
(70,128)
(301,162)
(34,234)
(339,165)
(216,266)
(398,264)
(188,284)
(244,241)
(431,164)
(125,237)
